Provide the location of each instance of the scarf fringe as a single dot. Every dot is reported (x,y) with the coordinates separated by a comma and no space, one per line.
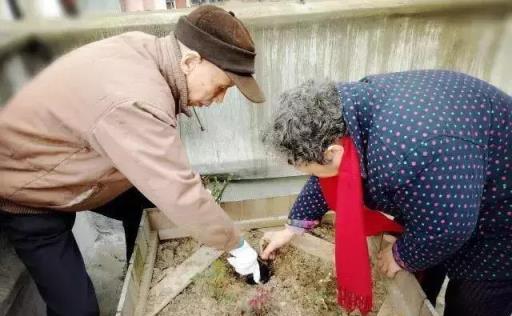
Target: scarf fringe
(351,301)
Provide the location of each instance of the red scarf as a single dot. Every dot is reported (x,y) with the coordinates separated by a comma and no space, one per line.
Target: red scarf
(354,222)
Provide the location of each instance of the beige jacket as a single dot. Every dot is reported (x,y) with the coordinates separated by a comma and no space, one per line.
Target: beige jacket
(99,120)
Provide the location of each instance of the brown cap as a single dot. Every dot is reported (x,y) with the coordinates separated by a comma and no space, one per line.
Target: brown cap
(221,38)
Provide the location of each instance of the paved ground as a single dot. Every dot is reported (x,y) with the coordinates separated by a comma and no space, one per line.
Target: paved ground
(101,241)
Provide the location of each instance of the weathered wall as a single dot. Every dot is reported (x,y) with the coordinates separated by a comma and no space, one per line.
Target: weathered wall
(344,49)
(321,39)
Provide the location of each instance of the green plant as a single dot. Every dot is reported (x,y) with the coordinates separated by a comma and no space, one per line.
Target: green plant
(216,184)
(217,280)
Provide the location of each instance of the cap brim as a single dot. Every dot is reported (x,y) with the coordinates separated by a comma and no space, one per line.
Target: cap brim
(248,86)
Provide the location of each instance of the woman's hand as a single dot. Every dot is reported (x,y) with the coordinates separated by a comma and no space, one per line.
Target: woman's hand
(275,240)
(386,261)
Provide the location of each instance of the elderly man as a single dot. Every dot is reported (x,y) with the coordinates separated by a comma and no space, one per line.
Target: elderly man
(96,130)
(431,148)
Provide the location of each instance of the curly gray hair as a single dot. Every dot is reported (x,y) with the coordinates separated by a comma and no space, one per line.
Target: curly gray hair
(309,119)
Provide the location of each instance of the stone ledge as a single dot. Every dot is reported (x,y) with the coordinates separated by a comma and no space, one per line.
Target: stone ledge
(253,14)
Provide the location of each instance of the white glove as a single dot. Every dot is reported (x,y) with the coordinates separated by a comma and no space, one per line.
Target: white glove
(245,261)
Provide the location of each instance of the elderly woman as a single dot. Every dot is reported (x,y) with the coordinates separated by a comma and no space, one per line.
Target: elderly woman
(430,148)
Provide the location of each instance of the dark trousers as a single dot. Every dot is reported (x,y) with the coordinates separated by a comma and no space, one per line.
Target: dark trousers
(47,247)
(468,298)
(478,298)
(431,281)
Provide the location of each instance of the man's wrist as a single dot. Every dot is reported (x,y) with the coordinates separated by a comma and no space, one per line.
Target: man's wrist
(243,247)
(239,245)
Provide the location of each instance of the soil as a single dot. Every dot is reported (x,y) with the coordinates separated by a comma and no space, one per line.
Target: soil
(301,284)
(171,254)
(324,231)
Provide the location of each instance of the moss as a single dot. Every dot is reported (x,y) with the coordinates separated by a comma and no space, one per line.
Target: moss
(217,280)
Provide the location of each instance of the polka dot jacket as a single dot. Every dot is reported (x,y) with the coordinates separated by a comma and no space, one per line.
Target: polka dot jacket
(436,153)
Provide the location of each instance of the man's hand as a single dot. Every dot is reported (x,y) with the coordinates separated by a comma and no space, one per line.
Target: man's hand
(275,241)
(386,262)
(245,261)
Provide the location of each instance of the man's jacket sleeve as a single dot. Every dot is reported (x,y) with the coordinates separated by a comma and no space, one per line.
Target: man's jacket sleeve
(144,145)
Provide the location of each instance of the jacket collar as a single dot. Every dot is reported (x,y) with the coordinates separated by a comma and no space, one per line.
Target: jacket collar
(168,60)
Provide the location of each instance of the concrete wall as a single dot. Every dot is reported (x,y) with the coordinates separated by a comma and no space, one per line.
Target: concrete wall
(343,49)
(321,39)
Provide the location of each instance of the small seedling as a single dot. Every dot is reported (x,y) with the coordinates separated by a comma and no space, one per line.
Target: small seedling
(259,304)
